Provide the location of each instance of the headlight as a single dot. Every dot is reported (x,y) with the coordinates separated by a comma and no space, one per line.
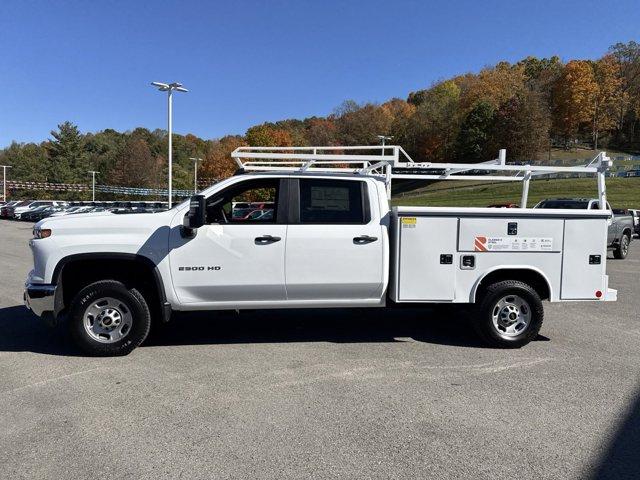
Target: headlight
(41,232)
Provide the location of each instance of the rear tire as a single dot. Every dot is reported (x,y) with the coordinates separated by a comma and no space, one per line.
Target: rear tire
(107,319)
(510,314)
(622,249)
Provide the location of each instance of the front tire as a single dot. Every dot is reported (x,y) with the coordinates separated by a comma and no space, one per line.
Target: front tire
(107,319)
(622,249)
(510,314)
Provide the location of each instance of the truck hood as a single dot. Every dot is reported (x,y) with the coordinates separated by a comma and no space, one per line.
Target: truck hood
(107,222)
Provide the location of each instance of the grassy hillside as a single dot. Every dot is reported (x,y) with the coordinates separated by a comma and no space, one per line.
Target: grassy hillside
(621,192)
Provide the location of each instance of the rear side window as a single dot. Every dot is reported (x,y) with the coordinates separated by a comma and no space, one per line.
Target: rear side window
(333,202)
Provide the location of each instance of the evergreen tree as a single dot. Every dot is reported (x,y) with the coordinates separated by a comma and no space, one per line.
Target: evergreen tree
(66,152)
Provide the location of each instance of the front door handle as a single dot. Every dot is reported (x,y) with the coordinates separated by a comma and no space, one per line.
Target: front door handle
(266,240)
(364,239)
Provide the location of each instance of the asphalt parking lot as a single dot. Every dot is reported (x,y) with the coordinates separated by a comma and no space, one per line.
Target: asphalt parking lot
(323,394)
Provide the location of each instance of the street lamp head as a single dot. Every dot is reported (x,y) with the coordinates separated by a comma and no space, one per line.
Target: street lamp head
(164,87)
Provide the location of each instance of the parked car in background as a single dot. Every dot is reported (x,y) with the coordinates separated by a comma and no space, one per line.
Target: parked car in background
(44,213)
(4,210)
(29,215)
(27,205)
(620,229)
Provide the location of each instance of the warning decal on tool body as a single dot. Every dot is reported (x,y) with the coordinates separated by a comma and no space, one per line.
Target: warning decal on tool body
(408,222)
(512,244)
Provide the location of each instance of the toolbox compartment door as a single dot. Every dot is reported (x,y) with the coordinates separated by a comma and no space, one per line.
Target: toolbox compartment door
(423,274)
(583,238)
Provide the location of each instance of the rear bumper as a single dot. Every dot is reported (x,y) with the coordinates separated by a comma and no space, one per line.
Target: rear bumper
(611,295)
(40,298)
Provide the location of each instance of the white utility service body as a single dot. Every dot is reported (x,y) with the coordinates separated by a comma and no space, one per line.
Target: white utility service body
(369,258)
(557,245)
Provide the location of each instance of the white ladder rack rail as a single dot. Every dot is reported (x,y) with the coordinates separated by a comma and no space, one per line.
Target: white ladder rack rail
(381,160)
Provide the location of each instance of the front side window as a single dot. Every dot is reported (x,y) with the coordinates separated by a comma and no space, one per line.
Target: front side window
(332,202)
(249,202)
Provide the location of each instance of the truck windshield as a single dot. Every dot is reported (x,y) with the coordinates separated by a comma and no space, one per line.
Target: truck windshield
(573,204)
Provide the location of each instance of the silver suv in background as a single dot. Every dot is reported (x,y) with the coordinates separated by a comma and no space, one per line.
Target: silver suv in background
(635,215)
(620,229)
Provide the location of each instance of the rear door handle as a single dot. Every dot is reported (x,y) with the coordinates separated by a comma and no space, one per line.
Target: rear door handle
(266,240)
(364,239)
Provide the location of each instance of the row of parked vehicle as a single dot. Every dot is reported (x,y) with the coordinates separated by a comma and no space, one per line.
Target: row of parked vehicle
(36,210)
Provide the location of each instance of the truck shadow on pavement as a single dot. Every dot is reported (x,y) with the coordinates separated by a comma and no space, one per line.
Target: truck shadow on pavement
(621,459)
(443,326)
(20,330)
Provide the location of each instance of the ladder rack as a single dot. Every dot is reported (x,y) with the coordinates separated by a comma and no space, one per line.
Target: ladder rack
(392,162)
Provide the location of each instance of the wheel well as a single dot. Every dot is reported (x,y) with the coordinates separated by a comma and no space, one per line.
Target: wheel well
(532,278)
(133,272)
(627,232)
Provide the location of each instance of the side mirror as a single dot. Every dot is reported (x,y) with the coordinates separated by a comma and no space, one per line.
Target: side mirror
(196,217)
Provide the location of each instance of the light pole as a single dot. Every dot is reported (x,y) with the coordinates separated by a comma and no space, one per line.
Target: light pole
(169,88)
(195,173)
(93,184)
(4,181)
(383,138)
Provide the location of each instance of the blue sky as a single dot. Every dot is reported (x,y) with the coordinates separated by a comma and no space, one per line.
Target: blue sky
(249,62)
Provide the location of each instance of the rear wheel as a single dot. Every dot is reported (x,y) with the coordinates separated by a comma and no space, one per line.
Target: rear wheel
(622,249)
(107,319)
(510,314)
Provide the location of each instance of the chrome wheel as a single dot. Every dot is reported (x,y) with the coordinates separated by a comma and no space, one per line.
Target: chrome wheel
(107,320)
(511,315)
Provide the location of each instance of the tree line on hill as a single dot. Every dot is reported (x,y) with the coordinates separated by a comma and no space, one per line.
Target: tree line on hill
(526,107)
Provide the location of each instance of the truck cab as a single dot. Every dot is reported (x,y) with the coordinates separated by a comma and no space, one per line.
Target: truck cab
(325,244)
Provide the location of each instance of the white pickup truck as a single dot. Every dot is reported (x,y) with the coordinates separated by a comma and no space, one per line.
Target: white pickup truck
(324,236)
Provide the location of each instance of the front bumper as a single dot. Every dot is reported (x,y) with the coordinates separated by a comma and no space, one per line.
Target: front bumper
(40,298)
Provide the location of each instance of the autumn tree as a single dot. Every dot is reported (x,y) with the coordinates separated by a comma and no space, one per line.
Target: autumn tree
(400,113)
(360,124)
(574,98)
(322,132)
(493,86)
(266,135)
(135,166)
(608,96)
(218,164)
(627,56)
(432,129)
(521,125)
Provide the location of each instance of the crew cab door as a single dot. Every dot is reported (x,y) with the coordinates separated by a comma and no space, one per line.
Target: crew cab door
(238,256)
(335,242)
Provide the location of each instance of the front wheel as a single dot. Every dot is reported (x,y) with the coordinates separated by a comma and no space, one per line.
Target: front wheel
(622,249)
(107,319)
(510,314)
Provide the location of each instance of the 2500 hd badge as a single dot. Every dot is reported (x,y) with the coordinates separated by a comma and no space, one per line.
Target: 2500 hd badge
(200,269)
